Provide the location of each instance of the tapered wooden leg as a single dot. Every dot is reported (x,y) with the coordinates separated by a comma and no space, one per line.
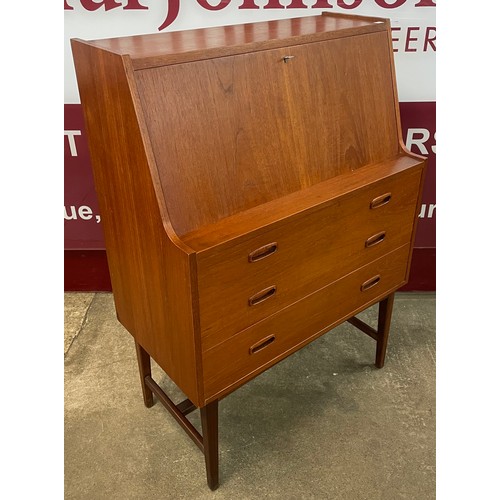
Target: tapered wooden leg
(210,430)
(144,361)
(384,325)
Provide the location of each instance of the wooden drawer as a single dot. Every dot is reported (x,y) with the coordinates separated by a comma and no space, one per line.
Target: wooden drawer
(233,362)
(296,258)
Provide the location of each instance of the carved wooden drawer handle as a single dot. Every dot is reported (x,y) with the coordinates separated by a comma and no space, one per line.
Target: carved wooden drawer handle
(380,201)
(370,283)
(375,239)
(261,344)
(262,252)
(259,297)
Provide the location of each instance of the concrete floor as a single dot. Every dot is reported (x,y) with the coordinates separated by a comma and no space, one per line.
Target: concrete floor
(322,424)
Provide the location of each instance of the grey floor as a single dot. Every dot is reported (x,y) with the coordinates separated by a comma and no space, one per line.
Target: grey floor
(322,424)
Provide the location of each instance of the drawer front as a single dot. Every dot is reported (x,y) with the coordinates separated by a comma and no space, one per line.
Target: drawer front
(259,276)
(233,362)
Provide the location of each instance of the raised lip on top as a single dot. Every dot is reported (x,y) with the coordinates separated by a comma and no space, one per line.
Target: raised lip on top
(159,49)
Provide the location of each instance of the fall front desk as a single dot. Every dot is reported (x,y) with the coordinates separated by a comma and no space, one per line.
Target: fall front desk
(255,193)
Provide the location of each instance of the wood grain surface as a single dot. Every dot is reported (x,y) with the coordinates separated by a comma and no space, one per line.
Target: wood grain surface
(327,112)
(267,142)
(232,363)
(176,47)
(312,251)
(150,274)
(254,190)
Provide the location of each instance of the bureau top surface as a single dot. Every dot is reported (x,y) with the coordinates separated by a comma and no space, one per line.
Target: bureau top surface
(182,46)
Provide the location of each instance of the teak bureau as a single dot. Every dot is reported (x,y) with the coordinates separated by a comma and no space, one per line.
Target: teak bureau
(255,192)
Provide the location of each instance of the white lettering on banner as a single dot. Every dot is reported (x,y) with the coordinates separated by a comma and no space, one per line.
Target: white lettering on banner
(83,212)
(430,211)
(70,134)
(418,137)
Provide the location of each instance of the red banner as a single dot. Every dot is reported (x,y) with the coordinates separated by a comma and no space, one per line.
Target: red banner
(82,229)
(418,121)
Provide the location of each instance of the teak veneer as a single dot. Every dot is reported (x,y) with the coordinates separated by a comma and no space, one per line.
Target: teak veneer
(255,192)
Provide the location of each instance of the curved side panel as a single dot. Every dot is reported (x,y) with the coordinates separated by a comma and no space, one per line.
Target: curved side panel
(151,274)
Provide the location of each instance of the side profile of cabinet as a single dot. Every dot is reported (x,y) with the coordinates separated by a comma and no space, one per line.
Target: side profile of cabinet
(254,193)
